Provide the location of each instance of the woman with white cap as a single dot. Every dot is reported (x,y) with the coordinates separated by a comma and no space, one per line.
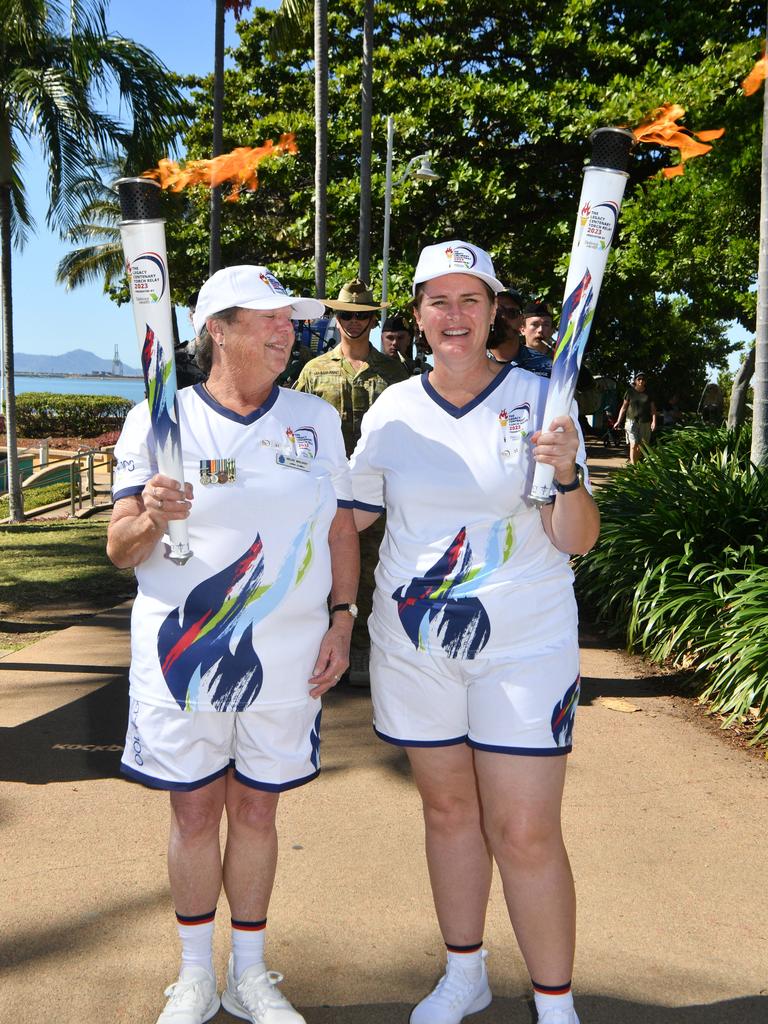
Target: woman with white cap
(474,659)
(232,651)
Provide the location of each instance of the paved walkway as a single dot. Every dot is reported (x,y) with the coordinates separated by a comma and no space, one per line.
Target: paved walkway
(665,824)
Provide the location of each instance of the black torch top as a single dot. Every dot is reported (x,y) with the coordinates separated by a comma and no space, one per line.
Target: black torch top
(610,148)
(139,199)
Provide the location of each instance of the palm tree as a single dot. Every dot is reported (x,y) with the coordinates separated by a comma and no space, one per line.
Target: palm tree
(56,60)
(290,22)
(99,256)
(222,6)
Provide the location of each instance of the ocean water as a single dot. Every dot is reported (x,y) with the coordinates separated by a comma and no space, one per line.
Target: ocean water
(132,388)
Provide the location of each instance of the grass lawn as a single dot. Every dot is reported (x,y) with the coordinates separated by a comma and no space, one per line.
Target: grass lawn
(52,574)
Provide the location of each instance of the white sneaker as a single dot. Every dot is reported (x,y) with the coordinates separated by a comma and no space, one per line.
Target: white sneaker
(256,997)
(559,1017)
(192,999)
(455,996)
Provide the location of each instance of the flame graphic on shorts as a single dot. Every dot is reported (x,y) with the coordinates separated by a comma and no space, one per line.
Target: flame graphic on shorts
(564,714)
(444,596)
(206,648)
(314,739)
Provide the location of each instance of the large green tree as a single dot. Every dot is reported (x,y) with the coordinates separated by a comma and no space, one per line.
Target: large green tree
(58,63)
(505,95)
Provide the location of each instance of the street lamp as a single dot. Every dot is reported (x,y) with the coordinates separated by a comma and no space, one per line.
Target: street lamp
(424,172)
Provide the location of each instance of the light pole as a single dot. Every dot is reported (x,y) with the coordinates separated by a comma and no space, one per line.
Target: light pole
(424,172)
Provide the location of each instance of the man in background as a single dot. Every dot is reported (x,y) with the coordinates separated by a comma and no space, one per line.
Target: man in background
(397,343)
(639,411)
(351,377)
(537,328)
(505,344)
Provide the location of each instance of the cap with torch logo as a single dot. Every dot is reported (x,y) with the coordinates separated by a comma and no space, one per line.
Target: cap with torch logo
(142,231)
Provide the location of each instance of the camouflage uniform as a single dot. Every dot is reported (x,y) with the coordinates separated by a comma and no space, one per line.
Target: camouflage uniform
(352,392)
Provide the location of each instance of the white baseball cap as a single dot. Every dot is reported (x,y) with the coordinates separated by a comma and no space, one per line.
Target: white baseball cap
(250,288)
(455,258)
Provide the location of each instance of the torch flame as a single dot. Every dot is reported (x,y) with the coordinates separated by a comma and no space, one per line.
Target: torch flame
(662,129)
(238,167)
(756,77)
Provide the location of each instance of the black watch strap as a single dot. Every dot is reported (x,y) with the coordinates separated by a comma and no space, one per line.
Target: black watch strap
(573,485)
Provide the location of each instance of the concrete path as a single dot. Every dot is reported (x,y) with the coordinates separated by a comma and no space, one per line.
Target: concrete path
(665,824)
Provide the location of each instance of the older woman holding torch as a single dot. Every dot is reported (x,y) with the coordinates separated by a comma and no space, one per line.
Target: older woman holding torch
(474,657)
(232,651)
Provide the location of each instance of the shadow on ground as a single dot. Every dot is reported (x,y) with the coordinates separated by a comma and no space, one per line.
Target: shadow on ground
(592,1010)
(81,740)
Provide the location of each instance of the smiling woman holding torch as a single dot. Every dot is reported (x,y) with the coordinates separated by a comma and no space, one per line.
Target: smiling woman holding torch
(474,646)
(232,650)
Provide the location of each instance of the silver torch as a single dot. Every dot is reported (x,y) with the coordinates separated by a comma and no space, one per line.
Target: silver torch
(142,231)
(605,178)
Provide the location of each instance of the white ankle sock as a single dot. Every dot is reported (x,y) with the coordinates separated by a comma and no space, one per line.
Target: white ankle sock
(197,943)
(545,1001)
(470,963)
(248,946)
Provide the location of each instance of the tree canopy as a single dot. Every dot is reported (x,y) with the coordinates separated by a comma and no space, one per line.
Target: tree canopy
(504,96)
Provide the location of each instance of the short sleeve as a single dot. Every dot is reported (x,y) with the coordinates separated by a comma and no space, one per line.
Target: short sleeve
(339,467)
(367,478)
(135,461)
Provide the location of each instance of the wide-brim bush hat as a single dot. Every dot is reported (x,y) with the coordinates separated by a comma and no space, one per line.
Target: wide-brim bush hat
(249,288)
(455,257)
(356,297)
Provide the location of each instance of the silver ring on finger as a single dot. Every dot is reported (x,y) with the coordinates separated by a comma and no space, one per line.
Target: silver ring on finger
(160,502)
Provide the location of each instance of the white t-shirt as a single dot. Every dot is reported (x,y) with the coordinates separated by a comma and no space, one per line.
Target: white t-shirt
(216,634)
(465,566)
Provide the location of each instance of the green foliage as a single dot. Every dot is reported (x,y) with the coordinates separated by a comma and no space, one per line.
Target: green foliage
(40,414)
(505,97)
(57,565)
(38,497)
(681,567)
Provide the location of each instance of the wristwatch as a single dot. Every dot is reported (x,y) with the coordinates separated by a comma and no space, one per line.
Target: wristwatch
(351,608)
(573,485)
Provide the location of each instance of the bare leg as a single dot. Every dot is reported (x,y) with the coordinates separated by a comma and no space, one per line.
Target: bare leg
(521,799)
(250,856)
(457,854)
(194,855)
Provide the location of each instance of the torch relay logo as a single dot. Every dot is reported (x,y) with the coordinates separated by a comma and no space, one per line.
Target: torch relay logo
(461,256)
(148,277)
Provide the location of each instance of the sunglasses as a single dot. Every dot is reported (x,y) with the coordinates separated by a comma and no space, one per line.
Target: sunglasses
(349,315)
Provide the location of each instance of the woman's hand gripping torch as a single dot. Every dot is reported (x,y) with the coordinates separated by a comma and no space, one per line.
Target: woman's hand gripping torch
(142,230)
(605,178)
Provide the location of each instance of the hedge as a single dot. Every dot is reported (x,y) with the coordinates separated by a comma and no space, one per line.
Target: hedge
(42,414)
(681,567)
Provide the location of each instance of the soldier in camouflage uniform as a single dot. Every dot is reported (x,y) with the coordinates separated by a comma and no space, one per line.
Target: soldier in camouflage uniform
(351,377)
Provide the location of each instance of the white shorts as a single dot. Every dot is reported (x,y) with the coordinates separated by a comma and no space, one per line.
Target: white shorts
(523,705)
(273,748)
(637,432)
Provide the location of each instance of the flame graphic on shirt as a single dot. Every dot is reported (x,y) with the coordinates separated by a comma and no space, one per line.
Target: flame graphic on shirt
(205,648)
(442,602)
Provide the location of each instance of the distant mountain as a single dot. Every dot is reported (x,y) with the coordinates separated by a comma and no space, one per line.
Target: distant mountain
(77,361)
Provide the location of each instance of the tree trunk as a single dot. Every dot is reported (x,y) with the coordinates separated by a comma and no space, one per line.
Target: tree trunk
(15,499)
(321,143)
(366,116)
(760,385)
(214,259)
(738,403)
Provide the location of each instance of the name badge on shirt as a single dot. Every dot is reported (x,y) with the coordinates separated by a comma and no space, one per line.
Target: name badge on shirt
(217,471)
(292,462)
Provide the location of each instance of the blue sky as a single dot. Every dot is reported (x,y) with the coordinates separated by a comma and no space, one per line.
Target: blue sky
(47,318)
